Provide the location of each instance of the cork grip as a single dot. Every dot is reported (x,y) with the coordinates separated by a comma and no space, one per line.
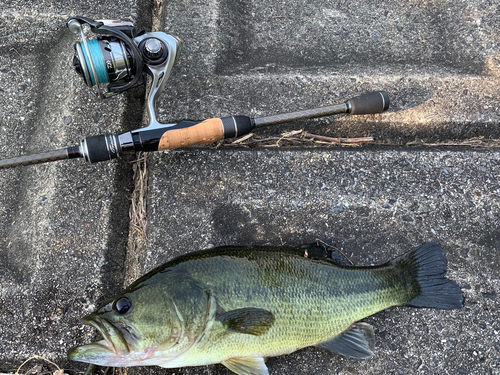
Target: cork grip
(204,132)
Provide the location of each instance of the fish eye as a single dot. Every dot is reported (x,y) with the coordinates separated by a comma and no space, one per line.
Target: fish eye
(122,305)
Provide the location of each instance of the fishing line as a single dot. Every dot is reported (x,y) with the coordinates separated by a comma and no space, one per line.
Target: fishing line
(97,59)
(33,30)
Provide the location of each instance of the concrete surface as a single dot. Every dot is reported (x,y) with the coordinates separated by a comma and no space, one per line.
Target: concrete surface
(373,204)
(65,226)
(56,255)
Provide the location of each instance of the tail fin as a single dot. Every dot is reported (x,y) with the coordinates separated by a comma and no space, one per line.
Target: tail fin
(426,266)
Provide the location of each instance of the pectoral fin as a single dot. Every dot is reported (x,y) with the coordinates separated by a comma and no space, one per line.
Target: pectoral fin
(250,320)
(358,341)
(247,365)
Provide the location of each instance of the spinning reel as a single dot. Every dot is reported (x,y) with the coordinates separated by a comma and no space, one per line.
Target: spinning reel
(119,56)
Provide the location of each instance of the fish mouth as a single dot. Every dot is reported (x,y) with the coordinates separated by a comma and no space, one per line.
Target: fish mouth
(104,352)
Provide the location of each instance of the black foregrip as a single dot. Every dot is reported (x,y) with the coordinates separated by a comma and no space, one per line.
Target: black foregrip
(369,103)
(99,148)
(236,126)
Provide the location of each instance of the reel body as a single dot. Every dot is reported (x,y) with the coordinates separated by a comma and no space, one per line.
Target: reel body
(119,56)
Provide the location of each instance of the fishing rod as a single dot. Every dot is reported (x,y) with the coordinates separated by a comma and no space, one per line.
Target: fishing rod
(120,57)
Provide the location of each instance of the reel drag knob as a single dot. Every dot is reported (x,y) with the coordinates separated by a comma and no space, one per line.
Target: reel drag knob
(153,50)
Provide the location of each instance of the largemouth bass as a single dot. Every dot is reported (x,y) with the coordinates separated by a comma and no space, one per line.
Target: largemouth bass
(237,306)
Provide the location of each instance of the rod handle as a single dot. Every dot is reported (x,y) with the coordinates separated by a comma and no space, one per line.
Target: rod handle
(369,103)
(207,131)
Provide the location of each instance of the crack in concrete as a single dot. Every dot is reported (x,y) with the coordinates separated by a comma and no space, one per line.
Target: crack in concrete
(137,241)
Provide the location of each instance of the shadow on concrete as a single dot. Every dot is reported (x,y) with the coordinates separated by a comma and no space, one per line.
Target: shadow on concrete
(384,39)
(408,98)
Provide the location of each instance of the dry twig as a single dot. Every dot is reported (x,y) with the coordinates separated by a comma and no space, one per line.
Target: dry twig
(338,140)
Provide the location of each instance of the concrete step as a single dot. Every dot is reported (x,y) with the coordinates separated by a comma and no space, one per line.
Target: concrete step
(64,226)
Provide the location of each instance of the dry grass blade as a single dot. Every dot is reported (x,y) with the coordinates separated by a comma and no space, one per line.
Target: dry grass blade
(303,138)
(472,142)
(298,138)
(138,219)
(243,139)
(36,369)
(138,202)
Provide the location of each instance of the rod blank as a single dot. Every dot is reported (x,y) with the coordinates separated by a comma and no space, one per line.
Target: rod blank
(365,104)
(300,115)
(34,159)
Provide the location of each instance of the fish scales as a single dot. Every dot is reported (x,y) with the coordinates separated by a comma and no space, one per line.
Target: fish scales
(237,306)
(312,300)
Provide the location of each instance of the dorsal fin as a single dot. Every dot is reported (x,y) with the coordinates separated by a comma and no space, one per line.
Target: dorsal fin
(330,253)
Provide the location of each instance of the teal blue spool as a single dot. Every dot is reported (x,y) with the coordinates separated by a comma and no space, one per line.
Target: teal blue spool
(97,59)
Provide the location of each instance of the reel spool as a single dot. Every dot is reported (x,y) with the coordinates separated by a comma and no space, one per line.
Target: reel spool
(119,56)
(111,60)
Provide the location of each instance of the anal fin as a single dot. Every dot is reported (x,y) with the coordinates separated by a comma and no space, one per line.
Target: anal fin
(247,365)
(358,341)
